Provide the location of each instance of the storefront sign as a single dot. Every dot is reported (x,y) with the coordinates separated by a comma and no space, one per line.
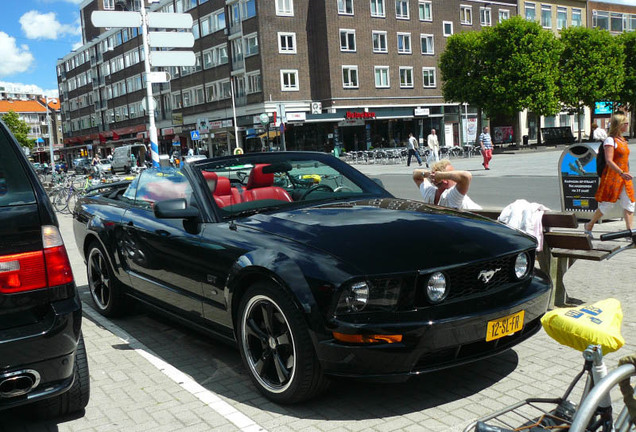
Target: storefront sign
(353,122)
(202,125)
(216,125)
(296,116)
(421,112)
(349,115)
(167,131)
(177,118)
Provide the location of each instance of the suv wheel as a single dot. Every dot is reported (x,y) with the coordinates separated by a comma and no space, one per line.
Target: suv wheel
(76,398)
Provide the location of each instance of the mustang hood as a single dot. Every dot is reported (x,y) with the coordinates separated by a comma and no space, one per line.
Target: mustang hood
(393,235)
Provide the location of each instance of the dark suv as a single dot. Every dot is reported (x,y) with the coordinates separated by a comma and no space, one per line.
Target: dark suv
(42,356)
(82,166)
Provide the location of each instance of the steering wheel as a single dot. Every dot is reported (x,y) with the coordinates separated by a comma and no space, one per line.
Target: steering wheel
(315,188)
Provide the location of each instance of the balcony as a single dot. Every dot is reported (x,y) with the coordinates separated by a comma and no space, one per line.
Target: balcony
(238,63)
(235,30)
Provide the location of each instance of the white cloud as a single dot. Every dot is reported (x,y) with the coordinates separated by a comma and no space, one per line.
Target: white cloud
(36,25)
(14,58)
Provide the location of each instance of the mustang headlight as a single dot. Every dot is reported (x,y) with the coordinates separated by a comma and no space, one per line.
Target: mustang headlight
(379,294)
(522,265)
(436,287)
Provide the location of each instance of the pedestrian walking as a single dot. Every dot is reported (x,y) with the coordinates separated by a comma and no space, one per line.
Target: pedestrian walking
(485,141)
(616,182)
(433,145)
(445,186)
(412,149)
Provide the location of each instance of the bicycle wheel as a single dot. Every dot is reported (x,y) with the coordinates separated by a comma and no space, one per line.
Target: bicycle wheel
(58,199)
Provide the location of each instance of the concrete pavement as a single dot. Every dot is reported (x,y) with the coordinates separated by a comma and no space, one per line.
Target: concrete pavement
(150,374)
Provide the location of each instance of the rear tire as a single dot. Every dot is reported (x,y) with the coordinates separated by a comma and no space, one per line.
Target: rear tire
(106,290)
(276,347)
(74,399)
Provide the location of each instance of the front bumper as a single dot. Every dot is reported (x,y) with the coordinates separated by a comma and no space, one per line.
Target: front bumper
(433,344)
(48,347)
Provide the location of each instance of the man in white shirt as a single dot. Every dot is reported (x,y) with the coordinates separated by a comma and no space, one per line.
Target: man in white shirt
(433,145)
(444,186)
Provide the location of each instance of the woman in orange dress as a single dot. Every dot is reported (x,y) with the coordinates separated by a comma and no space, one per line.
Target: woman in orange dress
(616,181)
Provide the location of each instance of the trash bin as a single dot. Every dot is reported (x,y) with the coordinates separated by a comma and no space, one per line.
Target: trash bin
(578,180)
(525,140)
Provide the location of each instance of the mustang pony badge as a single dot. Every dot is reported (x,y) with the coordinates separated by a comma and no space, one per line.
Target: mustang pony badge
(487,275)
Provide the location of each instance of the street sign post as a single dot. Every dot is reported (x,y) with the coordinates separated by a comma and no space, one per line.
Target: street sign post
(158,77)
(170,39)
(116,19)
(172,58)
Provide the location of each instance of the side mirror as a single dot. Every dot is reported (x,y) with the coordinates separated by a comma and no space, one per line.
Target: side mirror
(378,182)
(175,209)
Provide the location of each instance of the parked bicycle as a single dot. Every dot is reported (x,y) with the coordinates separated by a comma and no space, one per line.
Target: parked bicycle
(594,411)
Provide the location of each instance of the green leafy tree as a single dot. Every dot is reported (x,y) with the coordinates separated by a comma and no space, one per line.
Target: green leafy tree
(19,128)
(590,68)
(462,72)
(520,71)
(628,93)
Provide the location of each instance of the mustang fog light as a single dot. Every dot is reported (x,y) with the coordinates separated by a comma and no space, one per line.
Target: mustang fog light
(436,287)
(522,265)
(365,339)
(358,296)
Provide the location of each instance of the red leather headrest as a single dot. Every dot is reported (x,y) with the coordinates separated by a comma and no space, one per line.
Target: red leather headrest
(259,179)
(223,186)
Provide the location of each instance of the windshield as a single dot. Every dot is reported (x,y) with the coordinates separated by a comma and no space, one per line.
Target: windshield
(245,185)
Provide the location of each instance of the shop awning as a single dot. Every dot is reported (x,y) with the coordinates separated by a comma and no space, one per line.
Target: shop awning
(271,134)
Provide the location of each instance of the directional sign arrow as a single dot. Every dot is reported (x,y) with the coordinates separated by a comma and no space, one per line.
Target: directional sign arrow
(171,39)
(169,20)
(116,19)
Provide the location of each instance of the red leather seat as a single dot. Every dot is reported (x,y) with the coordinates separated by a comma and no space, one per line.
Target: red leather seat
(260,186)
(222,191)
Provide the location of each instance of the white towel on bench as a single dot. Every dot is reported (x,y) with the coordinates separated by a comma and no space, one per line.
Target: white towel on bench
(527,217)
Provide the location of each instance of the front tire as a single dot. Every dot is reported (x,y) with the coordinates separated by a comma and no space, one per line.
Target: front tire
(106,291)
(276,347)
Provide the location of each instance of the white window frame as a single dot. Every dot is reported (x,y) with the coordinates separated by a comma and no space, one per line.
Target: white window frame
(579,13)
(564,22)
(246,39)
(427,70)
(406,37)
(545,8)
(485,16)
(382,35)
(529,7)
(406,72)
(347,81)
(504,14)
(466,15)
(450,24)
(427,37)
(108,4)
(379,4)
(386,74)
(285,8)
(400,14)
(347,48)
(290,37)
(345,7)
(423,6)
(291,73)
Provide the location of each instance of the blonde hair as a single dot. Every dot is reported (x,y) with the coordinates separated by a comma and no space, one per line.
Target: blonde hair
(616,124)
(440,165)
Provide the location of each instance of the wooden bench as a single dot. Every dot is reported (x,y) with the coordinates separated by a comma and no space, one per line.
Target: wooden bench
(561,248)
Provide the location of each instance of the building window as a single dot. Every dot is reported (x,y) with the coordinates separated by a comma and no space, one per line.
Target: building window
(347,40)
(379,42)
(616,22)
(577,20)
(600,19)
(428,46)
(251,45)
(350,76)
(345,7)
(406,77)
(562,18)
(404,43)
(466,15)
(485,16)
(377,8)
(254,82)
(546,16)
(632,22)
(289,80)
(504,14)
(402,9)
(448,28)
(109,4)
(531,13)
(425,9)
(285,7)
(382,77)
(428,77)
(286,43)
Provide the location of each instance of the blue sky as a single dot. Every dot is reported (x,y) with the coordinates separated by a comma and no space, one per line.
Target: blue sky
(35,33)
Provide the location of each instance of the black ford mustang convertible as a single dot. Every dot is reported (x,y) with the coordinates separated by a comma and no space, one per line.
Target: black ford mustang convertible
(311,268)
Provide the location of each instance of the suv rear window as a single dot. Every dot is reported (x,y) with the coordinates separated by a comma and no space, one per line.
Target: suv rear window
(15,188)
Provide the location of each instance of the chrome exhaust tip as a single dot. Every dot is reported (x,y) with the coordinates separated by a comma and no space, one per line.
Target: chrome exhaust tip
(18,383)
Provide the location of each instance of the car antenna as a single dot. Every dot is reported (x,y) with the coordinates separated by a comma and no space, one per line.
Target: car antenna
(232,225)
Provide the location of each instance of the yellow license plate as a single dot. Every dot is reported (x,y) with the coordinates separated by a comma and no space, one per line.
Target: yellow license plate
(504,326)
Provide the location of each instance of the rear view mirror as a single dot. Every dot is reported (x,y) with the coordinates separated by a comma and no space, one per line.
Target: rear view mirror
(277,167)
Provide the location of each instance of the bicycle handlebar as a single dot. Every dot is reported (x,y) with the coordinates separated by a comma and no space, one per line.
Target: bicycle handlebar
(619,234)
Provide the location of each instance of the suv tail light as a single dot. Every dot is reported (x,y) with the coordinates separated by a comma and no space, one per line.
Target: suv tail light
(34,270)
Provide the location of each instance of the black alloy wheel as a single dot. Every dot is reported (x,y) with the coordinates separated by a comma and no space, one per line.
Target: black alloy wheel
(105,289)
(276,347)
